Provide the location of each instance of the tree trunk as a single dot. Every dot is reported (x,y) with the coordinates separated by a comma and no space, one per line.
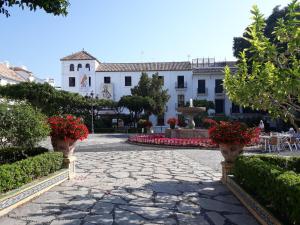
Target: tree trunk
(294,124)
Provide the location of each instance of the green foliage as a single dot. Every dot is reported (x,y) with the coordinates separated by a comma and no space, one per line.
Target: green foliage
(287,163)
(143,87)
(19,173)
(181,121)
(240,43)
(13,154)
(51,101)
(55,7)
(272,83)
(204,103)
(136,105)
(276,188)
(152,88)
(21,125)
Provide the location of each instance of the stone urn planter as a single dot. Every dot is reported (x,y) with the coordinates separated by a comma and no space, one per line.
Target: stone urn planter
(66,147)
(230,151)
(231,136)
(172,126)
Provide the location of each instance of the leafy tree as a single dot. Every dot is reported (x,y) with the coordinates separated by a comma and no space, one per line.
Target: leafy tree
(202,103)
(273,83)
(241,43)
(55,7)
(136,105)
(21,125)
(51,101)
(152,88)
(143,87)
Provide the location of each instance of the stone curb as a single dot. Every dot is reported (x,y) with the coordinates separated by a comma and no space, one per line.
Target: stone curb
(170,146)
(259,212)
(15,198)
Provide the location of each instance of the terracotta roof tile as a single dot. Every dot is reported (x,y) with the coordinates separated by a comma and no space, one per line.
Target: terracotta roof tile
(137,67)
(20,69)
(9,73)
(82,55)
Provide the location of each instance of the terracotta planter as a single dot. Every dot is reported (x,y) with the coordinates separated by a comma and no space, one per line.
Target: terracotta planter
(66,147)
(231,151)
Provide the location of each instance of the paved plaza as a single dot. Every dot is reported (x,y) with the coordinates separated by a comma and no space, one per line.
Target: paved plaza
(118,184)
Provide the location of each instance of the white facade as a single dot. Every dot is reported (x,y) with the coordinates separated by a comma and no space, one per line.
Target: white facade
(7,75)
(95,79)
(14,75)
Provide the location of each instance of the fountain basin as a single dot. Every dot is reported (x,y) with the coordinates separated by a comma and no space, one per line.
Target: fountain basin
(190,113)
(186,133)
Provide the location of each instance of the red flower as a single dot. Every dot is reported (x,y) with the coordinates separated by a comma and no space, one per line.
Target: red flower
(233,133)
(68,127)
(172,121)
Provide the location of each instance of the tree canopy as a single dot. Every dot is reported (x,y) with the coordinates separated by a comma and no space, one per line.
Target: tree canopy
(272,83)
(55,7)
(51,101)
(136,105)
(152,87)
(241,43)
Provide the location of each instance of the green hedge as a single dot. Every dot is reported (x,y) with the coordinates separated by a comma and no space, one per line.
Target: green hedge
(276,188)
(288,163)
(13,154)
(19,173)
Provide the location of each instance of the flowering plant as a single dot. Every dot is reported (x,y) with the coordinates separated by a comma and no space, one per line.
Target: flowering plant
(172,121)
(209,121)
(68,127)
(224,132)
(144,123)
(160,139)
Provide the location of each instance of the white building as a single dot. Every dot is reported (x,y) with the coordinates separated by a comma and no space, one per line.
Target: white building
(14,75)
(82,73)
(8,75)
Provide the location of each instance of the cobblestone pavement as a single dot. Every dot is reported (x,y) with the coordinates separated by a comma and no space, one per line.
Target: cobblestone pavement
(120,187)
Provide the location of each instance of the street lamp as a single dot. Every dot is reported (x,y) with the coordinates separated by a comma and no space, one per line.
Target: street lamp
(91,96)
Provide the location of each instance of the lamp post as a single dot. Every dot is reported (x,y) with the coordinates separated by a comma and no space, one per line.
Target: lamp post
(91,96)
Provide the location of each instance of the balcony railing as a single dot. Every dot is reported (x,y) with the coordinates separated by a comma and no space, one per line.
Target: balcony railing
(181,85)
(201,91)
(210,62)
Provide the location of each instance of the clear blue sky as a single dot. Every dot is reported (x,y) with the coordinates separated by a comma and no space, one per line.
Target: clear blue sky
(126,31)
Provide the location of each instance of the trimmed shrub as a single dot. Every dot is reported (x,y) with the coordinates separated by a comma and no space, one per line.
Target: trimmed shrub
(21,125)
(13,154)
(288,163)
(276,188)
(19,173)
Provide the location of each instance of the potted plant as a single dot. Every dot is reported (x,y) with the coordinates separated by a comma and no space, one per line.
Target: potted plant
(148,126)
(231,137)
(172,122)
(65,131)
(145,125)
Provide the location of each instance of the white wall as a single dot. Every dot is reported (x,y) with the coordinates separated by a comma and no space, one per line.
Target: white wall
(119,88)
(170,78)
(210,85)
(66,73)
(5,81)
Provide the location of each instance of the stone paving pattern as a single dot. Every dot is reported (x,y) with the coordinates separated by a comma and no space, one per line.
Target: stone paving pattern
(135,187)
